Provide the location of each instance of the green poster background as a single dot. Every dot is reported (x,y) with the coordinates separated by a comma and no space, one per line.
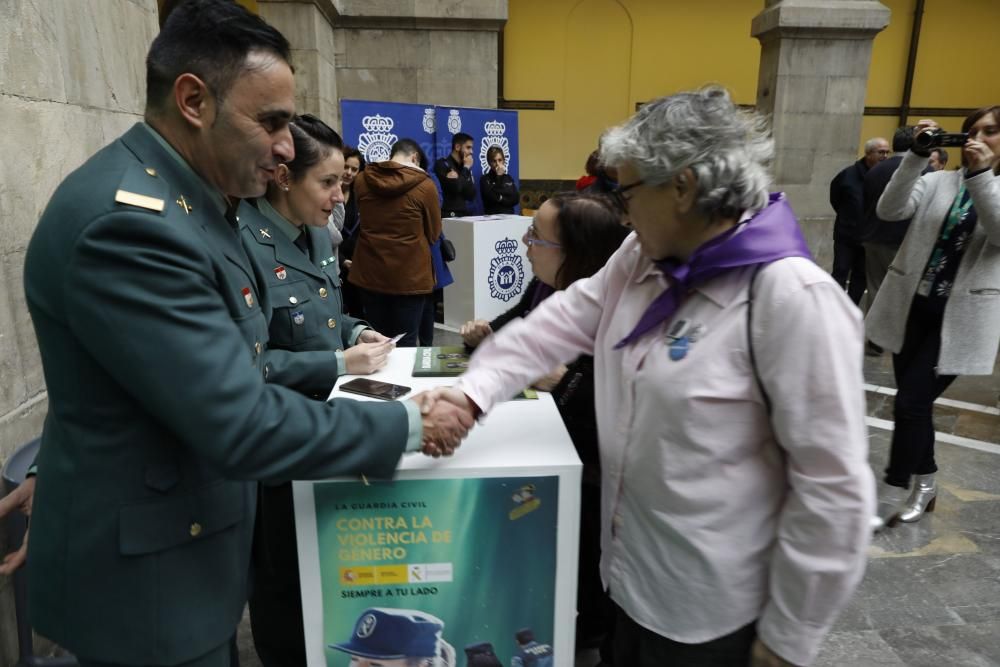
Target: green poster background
(503,568)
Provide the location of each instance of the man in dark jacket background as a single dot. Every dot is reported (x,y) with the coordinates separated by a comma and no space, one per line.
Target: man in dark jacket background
(454,174)
(846,197)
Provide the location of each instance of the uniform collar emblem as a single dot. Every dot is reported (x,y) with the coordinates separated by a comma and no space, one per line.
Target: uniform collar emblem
(183,203)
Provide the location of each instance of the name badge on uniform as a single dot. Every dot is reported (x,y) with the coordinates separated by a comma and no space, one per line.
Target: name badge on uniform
(247,296)
(280,273)
(298,317)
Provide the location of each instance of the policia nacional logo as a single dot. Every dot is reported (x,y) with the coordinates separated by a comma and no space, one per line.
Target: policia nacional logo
(506,278)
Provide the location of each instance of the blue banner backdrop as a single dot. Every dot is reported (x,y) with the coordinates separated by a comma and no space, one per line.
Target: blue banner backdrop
(487,127)
(373,127)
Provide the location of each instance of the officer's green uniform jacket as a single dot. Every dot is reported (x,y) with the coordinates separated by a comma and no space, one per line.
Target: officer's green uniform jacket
(301,299)
(151,337)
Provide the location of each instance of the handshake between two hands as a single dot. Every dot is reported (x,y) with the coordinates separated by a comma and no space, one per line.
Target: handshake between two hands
(448,414)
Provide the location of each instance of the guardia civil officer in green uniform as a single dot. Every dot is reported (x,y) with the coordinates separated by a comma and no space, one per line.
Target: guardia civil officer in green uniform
(312,342)
(151,335)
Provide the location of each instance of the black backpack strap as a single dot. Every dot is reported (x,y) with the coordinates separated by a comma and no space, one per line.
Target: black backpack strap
(753,358)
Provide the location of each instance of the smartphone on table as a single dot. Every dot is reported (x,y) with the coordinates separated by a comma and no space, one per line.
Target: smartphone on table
(374,388)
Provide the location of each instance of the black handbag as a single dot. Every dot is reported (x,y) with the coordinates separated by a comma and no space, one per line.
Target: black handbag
(447,250)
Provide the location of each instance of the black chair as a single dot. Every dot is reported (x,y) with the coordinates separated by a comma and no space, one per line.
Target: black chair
(14,472)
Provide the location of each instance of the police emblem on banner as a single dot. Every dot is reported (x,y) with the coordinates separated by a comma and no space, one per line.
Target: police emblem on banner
(493,132)
(428,122)
(506,278)
(454,121)
(375,143)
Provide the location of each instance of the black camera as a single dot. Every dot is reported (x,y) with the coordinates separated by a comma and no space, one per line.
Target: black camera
(929,139)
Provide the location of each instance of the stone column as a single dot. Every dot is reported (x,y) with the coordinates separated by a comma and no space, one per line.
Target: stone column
(72,79)
(813,76)
(426,51)
(421,51)
(307,26)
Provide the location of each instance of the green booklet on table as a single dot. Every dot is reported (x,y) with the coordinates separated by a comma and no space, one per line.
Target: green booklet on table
(449,361)
(440,361)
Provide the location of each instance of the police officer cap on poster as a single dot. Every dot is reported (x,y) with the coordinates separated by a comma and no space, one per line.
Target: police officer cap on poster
(397,638)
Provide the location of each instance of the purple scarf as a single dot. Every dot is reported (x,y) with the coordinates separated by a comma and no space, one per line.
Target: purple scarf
(772,234)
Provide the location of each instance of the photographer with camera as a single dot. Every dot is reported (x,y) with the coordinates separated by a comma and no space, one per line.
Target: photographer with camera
(938,310)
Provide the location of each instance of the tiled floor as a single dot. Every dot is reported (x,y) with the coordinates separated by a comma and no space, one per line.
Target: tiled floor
(931,595)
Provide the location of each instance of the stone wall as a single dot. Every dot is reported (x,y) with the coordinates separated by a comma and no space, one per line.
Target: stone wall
(307,27)
(71,79)
(422,51)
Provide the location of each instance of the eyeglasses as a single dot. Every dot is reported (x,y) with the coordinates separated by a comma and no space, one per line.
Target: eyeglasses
(618,194)
(531,238)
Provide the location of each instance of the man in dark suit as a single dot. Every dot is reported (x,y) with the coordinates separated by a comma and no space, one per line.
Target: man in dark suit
(846,200)
(152,337)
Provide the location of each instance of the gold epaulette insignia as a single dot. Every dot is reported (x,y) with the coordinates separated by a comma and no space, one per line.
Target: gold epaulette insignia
(142,201)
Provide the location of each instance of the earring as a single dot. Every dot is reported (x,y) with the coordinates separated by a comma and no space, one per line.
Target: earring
(285,188)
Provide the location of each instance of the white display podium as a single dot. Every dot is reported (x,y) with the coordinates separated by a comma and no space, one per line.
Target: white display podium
(485,541)
(491,268)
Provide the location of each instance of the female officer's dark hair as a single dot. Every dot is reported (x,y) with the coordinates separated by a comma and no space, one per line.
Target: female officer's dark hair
(210,39)
(314,141)
(590,231)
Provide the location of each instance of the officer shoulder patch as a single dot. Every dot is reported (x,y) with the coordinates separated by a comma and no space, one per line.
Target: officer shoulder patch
(142,188)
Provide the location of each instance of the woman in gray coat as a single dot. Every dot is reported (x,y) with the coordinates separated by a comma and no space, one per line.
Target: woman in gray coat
(938,310)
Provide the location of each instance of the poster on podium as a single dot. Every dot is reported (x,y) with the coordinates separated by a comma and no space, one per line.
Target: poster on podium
(452,570)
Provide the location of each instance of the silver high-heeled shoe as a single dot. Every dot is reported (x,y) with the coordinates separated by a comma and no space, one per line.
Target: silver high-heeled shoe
(922,499)
(890,506)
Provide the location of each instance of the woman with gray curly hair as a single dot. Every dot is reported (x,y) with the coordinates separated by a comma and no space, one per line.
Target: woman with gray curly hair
(728,387)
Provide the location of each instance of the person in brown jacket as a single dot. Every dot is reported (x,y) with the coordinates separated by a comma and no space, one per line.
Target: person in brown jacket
(400,220)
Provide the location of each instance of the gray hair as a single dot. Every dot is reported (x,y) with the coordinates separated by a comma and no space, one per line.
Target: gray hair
(729,150)
(873,143)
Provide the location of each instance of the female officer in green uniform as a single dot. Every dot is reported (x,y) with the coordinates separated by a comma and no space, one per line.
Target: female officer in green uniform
(297,270)
(312,343)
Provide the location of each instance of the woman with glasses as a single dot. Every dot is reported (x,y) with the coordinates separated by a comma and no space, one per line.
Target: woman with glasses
(729,395)
(938,310)
(571,238)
